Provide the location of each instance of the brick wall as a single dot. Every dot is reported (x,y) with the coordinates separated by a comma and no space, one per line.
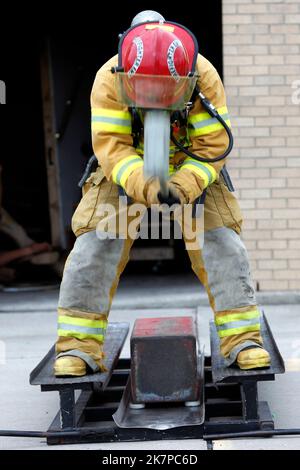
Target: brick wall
(261,71)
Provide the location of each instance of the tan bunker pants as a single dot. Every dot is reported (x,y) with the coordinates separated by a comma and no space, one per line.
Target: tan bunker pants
(94,266)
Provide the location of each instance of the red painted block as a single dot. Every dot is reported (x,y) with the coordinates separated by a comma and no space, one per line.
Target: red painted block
(164,360)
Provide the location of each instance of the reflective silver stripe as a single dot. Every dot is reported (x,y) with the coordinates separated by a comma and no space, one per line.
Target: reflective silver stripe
(237,349)
(238,324)
(82,355)
(111,120)
(81,329)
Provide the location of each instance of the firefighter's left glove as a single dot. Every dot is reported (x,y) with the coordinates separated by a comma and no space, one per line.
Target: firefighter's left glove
(154,195)
(174,196)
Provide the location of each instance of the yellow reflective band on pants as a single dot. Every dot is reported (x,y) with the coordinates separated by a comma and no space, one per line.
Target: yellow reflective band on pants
(239,316)
(110,120)
(236,323)
(203,123)
(238,330)
(124,168)
(204,170)
(81,328)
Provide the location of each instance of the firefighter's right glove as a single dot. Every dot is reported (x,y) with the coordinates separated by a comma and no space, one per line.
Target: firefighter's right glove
(136,186)
(151,191)
(141,189)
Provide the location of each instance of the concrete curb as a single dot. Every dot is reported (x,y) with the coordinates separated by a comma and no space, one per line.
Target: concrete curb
(38,303)
(200,299)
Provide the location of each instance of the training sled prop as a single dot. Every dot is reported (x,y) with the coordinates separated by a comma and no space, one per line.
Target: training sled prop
(167,390)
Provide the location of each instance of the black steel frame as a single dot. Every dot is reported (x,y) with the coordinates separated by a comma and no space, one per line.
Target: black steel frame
(229,407)
(230,397)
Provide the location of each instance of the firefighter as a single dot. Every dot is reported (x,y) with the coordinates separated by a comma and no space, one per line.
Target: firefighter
(95,264)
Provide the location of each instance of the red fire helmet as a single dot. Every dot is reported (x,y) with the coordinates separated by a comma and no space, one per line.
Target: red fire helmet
(157,59)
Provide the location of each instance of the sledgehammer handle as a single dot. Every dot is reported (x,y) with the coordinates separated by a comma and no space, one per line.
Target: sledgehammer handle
(164,190)
(157,146)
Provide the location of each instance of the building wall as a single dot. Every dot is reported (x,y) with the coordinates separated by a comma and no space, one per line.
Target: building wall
(262,78)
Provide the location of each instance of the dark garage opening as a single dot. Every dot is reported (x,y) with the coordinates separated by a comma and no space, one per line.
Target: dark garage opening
(71,47)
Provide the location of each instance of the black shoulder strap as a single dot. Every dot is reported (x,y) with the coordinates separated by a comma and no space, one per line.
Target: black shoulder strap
(195,94)
(137,126)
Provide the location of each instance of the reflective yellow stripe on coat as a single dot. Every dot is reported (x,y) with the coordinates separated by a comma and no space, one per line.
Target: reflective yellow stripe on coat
(110,120)
(204,170)
(203,123)
(124,168)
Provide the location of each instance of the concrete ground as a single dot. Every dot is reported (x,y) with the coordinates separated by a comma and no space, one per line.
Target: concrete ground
(28,330)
